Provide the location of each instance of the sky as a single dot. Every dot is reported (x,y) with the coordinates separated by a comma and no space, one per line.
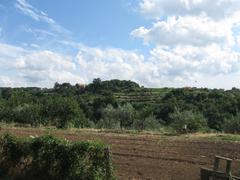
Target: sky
(156,43)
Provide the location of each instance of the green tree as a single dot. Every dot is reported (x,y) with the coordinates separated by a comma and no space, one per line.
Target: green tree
(109,119)
(187,121)
(65,112)
(232,125)
(2,109)
(126,115)
(145,120)
(121,117)
(26,114)
(148,123)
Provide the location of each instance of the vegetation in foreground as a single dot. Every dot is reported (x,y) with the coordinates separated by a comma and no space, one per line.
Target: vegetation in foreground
(146,153)
(121,105)
(47,158)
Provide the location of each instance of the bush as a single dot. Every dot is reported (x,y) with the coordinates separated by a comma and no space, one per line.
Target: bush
(115,118)
(232,125)
(187,121)
(148,123)
(50,158)
(109,118)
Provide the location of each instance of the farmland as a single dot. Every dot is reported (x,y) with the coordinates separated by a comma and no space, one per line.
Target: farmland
(153,156)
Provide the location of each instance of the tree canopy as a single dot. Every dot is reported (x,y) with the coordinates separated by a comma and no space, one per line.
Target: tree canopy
(121,104)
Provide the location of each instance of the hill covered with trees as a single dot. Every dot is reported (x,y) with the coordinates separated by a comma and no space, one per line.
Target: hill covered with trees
(118,104)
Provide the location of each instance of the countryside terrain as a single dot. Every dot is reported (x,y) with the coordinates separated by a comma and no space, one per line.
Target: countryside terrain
(119,90)
(154,133)
(121,104)
(145,156)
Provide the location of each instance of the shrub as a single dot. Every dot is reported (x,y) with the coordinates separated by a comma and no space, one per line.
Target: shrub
(109,118)
(50,158)
(148,123)
(232,125)
(115,118)
(187,121)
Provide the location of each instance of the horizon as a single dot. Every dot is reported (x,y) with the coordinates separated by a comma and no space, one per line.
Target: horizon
(156,43)
(140,85)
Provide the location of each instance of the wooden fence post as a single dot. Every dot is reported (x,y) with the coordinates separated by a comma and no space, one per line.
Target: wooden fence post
(215,174)
(228,167)
(216,163)
(215,167)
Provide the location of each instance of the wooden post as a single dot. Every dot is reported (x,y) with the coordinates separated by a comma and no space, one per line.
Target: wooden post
(205,174)
(216,163)
(229,167)
(215,167)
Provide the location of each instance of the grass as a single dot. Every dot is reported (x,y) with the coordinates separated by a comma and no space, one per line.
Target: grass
(213,137)
(163,132)
(225,137)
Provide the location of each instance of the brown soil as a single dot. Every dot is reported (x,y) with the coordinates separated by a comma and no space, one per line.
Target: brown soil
(155,157)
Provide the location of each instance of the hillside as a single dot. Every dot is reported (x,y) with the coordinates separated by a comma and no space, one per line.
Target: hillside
(117,104)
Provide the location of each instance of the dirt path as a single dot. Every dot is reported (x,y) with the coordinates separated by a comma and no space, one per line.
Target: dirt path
(140,157)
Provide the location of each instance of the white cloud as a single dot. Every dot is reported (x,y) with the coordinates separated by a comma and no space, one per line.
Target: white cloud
(182,65)
(190,22)
(36,68)
(238,40)
(46,67)
(38,15)
(44,60)
(109,63)
(215,9)
(8,54)
(40,33)
(190,62)
(196,31)
(178,66)
(31,11)
(194,45)
(34,45)
(6,81)
(194,40)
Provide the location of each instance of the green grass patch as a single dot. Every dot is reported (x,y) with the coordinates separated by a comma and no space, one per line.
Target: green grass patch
(224,137)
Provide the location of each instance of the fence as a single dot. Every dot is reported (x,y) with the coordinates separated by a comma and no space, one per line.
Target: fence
(215,174)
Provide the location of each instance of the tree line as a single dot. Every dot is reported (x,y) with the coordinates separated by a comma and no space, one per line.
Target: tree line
(95,105)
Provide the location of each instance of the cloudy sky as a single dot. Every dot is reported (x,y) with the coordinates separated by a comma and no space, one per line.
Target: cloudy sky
(156,43)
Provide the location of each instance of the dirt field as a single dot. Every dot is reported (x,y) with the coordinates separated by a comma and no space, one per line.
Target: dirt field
(157,157)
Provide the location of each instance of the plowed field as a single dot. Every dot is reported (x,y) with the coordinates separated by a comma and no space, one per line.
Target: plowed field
(155,157)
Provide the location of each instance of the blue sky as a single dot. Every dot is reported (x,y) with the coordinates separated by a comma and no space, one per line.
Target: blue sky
(93,23)
(156,43)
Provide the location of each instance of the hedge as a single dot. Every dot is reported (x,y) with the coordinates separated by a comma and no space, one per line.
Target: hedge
(50,158)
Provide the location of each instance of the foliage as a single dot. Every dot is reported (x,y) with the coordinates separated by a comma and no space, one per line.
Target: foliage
(47,157)
(133,107)
(148,123)
(215,104)
(187,121)
(121,117)
(115,85)
(65,112)
(145,119)
(232,125)
(125,115)
(109,120)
